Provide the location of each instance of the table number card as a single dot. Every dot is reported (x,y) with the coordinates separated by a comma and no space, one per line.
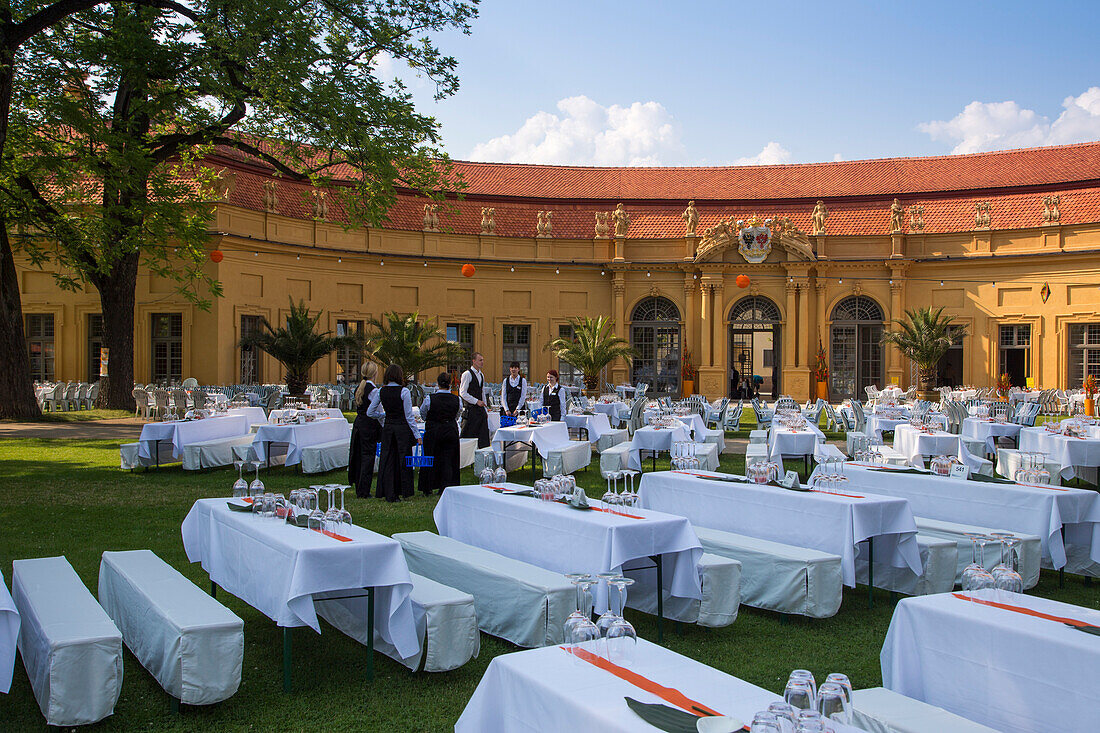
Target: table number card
(790,480)
(960,470)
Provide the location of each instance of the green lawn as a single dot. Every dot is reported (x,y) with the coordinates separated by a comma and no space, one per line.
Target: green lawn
(84,415)
(68,497)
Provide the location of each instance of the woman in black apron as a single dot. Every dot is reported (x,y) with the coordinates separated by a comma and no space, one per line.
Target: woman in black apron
(553,396)
(364,434)
(513,392)
(440,413)
(399,432)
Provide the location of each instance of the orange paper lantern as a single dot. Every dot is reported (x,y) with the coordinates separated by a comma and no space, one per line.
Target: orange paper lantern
(216,255)
(468,270)
(743,281)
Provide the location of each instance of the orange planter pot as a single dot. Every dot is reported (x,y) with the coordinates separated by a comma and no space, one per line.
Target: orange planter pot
(1090,406)
(687,388)
(823,391)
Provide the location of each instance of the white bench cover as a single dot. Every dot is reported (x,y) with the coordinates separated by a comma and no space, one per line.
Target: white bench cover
(611,438)
(325,456)
(567,458)
(446,623)
(850,438)
(487,458)
(780,577)
(721,582)
(191,644)
(939,560)
(130,458)
(758,437)
(755,452)
(615,457)
(517,601)
(71,649)
(212,453)
(466,449)
(827,450)
(878,710)
(1009,461)
(9,635)
(1028,549)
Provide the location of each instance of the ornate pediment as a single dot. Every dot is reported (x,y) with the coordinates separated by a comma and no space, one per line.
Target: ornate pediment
(726,235)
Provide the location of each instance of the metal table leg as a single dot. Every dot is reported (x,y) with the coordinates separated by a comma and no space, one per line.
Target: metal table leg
(660,598)
(286,658)
(870,572)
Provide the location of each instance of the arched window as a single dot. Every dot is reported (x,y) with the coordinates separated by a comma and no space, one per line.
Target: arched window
(655,335)
(856,347)
(754,347)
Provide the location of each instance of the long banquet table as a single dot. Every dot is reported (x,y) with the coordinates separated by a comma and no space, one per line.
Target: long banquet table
(181,433)
(783,441)
(548,690)
(655,440)
(594,425)
(1026,508)
(284,571)
(296,437)
(563,539)
(914,444)
(1008,666)
(1071,453)
(988,430)
(833,523)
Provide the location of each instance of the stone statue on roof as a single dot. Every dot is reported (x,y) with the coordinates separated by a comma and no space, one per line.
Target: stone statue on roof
(897,214)
(544,226)
(431,217)
(488,226)
(320,206)
(621,219)
(819,216)
(601,225)
(271,199)
(691,218)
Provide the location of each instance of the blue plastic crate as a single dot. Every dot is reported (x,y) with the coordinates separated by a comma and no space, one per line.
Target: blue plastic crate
(419,461)
(507,421)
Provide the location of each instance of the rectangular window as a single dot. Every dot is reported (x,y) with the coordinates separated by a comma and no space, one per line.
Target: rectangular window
(569,374)
(1084,353)
(40,346)
(1015,353)
(348,359)
(167,348)
(95,343)
(461,334)
(517,347)
(250,357)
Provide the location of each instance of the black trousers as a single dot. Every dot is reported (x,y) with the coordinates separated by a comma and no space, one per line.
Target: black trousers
(395,480)
(476,425)
(441,443)
(361,456)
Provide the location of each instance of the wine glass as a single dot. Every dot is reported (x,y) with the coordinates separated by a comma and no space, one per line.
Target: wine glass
(765,722)
(500,476)
(583,631)
(787,716)
(256,488)
(629,495)
(843,681)
(345,515)
(486,477)
(973,567)
(799,693)
(832,703)
(332,514)
(240,486)
(611,496)
(603,623)
(622,639)
(810,721)
(577,616)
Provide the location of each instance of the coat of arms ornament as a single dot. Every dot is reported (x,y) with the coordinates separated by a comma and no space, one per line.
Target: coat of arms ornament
(754,239)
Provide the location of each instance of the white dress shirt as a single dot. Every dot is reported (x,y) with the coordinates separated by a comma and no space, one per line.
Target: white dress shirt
(464,385)
(522,383)
(376,409)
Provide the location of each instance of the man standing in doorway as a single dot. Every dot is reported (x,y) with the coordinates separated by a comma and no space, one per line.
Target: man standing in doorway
(471,391)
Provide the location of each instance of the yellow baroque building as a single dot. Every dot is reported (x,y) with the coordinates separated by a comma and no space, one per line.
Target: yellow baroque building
(763,266)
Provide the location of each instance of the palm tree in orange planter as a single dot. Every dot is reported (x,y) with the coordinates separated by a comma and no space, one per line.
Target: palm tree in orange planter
(924,336)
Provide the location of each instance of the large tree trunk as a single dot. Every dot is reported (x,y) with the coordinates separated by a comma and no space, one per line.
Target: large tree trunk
(116,298)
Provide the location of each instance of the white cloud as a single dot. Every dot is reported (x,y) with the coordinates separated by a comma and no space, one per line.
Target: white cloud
(588,133)
(837,157)
(772,154)
(1002,125)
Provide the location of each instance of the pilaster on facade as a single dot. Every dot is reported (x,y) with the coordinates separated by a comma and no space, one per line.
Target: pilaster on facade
(897,245)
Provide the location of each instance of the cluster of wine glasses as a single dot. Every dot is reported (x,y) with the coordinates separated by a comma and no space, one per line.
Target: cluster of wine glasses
(868,450)
(241,487)
(1033,469)
(830,476)
(942,465)
(791,419)
(763,472)
(1003,576)
(807,708)
(684,455)
(611,636)
(616,497)
(555,488)
(497,475)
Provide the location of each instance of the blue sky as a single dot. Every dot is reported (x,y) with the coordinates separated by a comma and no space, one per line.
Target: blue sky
(720,83)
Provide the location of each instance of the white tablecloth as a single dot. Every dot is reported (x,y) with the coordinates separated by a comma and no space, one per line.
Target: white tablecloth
(185,432)
(1036,510)
(595,425)
(254,415)
(964,394)
(826,522)
(9,635)
(913,444)
(549,691)
(1005,669)
(559,538)
(785,442)
(987,431)
(326,411)
(1069,453)
(654,439)
(279,569)
(545,437)
(1018,396)
(877,424)
(297,437)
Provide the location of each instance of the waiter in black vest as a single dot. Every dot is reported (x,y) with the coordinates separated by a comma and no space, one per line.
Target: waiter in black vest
(514,392)
(471,390)
(440,413)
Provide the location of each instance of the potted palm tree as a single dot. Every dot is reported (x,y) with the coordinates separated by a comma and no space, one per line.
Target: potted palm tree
(924,336)
(594,345)
(414,345)
(821,373)
(688,375)
(297,345)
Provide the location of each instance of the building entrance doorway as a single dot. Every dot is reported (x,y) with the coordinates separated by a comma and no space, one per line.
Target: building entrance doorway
(754,332)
